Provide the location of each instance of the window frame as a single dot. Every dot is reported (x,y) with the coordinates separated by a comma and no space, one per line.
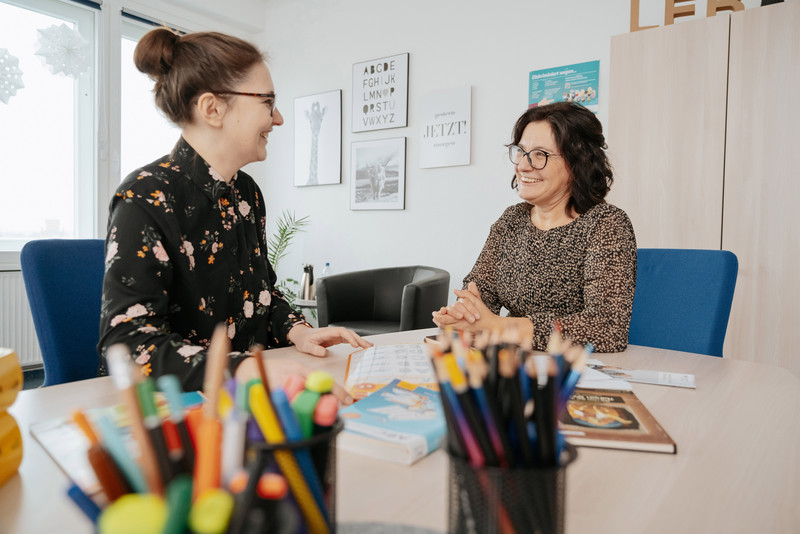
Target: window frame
(85,16)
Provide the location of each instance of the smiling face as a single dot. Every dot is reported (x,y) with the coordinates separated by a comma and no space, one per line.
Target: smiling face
(547,187)
(249,119)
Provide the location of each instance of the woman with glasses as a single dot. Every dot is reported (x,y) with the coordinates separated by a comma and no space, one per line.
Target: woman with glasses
(563,254)
(186,248)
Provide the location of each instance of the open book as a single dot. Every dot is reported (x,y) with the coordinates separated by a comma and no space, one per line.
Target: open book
(370,369)
(613,419)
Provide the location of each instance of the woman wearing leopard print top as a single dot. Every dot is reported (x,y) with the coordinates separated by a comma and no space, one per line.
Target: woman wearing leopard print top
(563,254)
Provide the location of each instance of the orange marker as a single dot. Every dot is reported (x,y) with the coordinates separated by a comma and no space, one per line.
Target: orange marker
(108,474)
(209,435)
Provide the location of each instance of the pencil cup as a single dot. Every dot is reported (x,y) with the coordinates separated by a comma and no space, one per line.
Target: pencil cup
(486,500)
(309,467)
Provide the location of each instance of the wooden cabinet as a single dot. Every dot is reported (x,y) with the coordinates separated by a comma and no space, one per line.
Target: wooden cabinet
(704,132)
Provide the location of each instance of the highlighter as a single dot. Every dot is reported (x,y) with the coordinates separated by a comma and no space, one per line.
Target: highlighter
(209,433)
(179,503)
(134,513)
(114,442)
(171,387)
(211,512)
(120,367)
(108,474)
(293,385)
(267,419)
(146,390)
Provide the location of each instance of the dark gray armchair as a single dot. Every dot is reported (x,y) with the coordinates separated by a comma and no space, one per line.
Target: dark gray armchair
(377,301)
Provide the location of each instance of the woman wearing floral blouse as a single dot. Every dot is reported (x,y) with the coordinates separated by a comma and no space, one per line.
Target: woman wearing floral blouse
(186,247)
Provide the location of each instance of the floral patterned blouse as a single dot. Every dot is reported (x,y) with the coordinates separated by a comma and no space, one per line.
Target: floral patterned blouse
(582,274)
(186,251)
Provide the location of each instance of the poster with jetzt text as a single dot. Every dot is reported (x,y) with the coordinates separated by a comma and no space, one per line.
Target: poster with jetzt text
(445,128)
(570,83)
(380,93)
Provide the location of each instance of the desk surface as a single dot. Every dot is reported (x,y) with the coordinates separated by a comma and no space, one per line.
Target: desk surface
(736,469)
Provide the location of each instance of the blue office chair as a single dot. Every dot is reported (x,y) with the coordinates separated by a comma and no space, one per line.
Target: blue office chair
(64,282)
(683,299)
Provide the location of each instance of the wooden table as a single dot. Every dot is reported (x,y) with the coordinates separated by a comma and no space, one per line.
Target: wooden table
(736,469)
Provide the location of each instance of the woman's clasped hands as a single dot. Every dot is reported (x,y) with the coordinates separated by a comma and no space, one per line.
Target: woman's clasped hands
(467,313)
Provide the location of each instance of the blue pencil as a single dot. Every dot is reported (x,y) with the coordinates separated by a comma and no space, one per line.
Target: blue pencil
(291,426)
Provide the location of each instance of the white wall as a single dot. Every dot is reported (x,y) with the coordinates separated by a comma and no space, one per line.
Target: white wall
(491,46)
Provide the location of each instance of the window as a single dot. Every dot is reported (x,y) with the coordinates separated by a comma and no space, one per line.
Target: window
(146,133)
(47,139)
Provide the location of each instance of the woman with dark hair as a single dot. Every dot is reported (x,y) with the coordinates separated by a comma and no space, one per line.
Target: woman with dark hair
(186,248)
(563,254)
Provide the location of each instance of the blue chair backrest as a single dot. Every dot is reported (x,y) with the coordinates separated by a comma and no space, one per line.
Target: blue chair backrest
(64,282)
(683,299)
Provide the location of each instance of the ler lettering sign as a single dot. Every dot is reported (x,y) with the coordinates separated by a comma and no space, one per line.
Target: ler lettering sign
(674,9)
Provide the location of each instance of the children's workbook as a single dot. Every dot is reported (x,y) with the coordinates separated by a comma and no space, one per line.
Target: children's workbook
(370,369)
(400,422)
(613,419)
(64,442)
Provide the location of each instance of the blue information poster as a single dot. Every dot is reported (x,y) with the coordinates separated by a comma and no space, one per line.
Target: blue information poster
(570,83)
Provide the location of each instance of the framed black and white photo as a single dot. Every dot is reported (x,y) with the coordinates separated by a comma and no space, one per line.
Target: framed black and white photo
(378,174)
(318,139)
(380,93)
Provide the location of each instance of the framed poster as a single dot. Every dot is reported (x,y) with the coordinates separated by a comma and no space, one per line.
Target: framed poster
(570,83)
(445,128)
(318,139)
(378,174)
(380,94)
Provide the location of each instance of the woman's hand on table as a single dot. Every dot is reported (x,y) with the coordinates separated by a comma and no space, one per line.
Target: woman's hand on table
(313,341)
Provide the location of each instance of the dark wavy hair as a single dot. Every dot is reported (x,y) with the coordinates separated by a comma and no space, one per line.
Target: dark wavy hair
(186,66)
(579,136)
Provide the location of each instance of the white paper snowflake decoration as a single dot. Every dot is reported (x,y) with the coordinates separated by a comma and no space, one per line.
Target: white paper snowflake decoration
(64,50)
(10,76)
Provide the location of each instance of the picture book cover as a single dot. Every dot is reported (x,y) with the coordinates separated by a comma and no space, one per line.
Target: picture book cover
(370,369)
(613,419)
(401,422)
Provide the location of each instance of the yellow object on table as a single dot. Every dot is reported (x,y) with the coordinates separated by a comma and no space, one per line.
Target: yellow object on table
(10,436)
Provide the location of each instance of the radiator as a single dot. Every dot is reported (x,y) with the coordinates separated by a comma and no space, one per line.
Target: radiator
(16,323)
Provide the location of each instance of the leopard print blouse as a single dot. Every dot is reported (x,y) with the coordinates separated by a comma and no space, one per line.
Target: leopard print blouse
(582,274)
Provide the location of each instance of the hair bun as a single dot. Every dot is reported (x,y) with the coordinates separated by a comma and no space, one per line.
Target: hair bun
(154,52)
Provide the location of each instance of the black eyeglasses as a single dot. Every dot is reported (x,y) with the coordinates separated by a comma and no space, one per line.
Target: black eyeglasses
(259,95)
(537,158)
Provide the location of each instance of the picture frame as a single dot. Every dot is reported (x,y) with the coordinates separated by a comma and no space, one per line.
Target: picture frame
(318,139)
(380,94)
(378,174)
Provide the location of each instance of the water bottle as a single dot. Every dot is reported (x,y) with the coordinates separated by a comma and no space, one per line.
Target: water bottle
(327,269)
(307,290)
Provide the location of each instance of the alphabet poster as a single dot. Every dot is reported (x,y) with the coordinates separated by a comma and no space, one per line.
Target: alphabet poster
(445,129)
(380,94)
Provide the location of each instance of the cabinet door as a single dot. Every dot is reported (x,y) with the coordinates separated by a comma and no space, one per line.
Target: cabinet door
(666,131)
(762,184)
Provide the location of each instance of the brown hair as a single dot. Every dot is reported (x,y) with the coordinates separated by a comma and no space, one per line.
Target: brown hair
(579,136)
(186,66)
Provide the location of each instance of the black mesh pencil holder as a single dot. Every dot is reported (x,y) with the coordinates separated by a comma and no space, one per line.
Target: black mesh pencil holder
(487,500)
(295,460)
